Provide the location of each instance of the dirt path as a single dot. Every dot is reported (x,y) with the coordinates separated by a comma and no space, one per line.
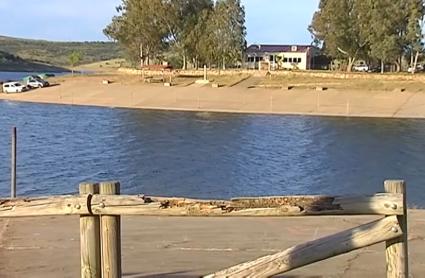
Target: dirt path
(249,82)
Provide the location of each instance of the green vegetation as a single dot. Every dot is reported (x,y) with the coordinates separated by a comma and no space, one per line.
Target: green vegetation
(384,31)
(74,58)
(199,31)
(10,62)
(57,53)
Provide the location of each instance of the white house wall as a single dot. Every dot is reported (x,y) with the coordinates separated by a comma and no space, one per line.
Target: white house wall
(295,55)
(303,65)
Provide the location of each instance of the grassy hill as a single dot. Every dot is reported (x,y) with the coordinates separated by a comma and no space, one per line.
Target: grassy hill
(9,62)
(55,53)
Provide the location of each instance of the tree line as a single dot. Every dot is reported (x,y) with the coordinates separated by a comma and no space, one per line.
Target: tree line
(383,31)
(196,31)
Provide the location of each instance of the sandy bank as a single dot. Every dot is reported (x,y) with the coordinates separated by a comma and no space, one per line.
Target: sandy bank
(189,247)
(129,92)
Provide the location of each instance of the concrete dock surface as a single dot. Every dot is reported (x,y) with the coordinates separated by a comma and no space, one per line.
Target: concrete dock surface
(191,247)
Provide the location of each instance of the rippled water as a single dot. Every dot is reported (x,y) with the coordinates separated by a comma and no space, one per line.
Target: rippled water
(208,155)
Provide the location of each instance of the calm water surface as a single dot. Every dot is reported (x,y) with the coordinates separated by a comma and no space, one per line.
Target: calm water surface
(207,155)
(6,75)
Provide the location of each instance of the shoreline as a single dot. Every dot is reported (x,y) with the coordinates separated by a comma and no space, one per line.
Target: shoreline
(252,113)
(132,94)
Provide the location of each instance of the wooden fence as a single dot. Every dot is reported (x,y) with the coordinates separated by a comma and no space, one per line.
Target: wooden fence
(100,207)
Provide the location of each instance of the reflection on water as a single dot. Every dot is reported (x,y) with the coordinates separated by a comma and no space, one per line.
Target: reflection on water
(208,155)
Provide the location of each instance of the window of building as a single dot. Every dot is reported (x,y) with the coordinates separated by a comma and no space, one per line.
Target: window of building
(250,59)
(290,60)
(257,59)
(285,60)
(271,59)
(299,60)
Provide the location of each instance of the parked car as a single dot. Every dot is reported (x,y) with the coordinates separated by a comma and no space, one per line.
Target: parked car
(374,69)
(14,87)
(35,81)
(418,68)
(361,68)
(46,75)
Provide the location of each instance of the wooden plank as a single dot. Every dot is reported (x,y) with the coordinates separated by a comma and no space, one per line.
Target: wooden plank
(111,236)
(90,238)
(317,250)
(397,249)
(44,206)
(381,204)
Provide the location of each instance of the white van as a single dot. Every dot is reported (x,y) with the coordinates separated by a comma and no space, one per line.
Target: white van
(14,87)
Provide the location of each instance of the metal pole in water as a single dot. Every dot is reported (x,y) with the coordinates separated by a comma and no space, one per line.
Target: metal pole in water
(13,165)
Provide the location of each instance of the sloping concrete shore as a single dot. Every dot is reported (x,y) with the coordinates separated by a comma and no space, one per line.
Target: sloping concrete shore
(133,94)
(190,247)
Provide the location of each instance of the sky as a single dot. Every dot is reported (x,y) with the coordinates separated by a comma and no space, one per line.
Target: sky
(267,21)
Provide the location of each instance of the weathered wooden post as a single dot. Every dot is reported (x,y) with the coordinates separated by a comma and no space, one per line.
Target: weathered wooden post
(396,249)
(90,238)
(111,236)
(13,165)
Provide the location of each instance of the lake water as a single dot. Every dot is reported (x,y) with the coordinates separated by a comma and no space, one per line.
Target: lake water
(16,76)
(208,155)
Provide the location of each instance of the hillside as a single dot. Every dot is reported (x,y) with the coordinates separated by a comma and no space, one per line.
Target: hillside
(9,62)
(56,53)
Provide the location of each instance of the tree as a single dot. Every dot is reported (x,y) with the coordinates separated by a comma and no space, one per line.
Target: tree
(338,25)
(226,32)
(384,32)
(196,29)
(74,58)
(137,29)
(178,17)
(414,28)
(197,41)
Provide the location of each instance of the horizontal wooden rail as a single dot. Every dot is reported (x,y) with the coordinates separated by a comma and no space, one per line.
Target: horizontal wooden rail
(382,204)
(372,233)
(44,206)
(379,204)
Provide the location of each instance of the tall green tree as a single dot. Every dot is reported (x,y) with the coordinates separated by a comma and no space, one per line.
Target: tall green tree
(178,17)
(337,24)
(74,58)
(380,30)
(227,32)
(197,41)
(384,34)
(414,26)
(137,29)
(200,30)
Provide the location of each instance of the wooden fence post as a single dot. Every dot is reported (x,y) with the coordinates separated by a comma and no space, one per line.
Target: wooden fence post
(396,249)
(111,236)
(90,238)
(13,164)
